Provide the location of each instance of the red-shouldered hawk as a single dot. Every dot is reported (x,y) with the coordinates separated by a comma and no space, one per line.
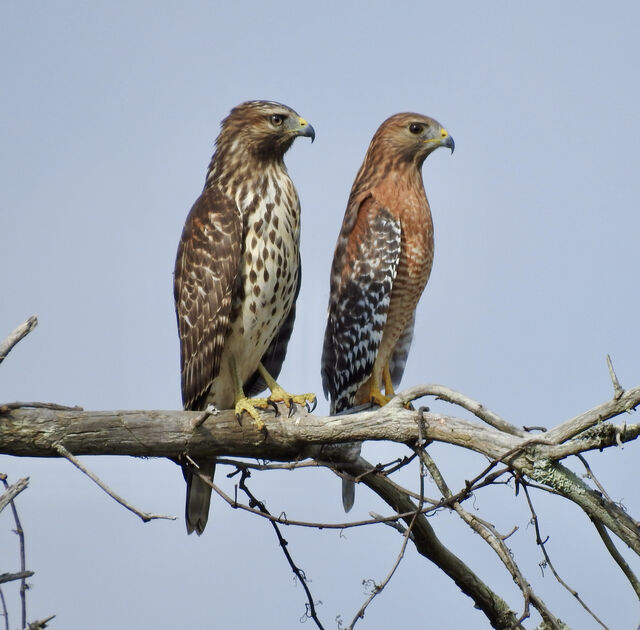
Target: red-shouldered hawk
(237,275)
(381,265)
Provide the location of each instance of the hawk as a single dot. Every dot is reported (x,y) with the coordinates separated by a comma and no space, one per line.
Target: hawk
(237,276)
(381,265)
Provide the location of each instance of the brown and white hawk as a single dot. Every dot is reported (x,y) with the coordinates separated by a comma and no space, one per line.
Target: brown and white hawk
(237,275)
(381,265)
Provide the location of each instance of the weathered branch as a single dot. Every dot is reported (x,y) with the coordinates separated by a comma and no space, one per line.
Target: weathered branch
(11,577)
(427,544)
(37,432)
(14,337)
(12,491)
(47,431)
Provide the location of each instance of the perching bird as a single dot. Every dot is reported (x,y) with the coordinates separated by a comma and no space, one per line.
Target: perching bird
(237,276)
(381,265)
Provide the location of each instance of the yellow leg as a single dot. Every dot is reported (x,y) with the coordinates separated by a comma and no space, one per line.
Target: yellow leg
(388,385)
(280,395)
(242,403)
(375,393)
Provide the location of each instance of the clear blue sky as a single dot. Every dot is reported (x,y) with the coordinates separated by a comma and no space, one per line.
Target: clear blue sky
(108,115)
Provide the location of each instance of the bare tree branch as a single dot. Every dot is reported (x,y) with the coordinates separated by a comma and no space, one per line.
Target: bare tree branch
(10,577)
(615,554)
(531,458)
(145,516)
(17,335)
(39,625)
(5,612)
(20,533)
(12,491)
(541,543)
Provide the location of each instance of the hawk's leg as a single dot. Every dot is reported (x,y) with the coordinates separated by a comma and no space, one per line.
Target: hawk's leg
(388,387)
(375,391)
(280,395)
(243,403)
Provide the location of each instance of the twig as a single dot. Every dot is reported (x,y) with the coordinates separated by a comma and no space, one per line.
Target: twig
(393,524)
(145,516)
(311,609)
(310,524)
(5,612)
(541,543)
(617,389)
(23,562)
(617,556)
(450,395)
(12,491)
(209,411)
(593,477)
(40,624)
(10,577)
(489,534)
(16,335)
(378,588)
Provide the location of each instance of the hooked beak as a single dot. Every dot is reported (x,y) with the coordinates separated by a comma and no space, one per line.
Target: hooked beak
(306,130)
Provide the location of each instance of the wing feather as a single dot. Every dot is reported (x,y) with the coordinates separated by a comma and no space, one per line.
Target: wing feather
(362,277)
(205,278)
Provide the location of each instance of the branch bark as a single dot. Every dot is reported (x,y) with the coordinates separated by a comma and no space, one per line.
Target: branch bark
(47,432)
(16,335)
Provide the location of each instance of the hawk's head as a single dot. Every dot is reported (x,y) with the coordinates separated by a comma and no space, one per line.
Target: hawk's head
(263,128)
(411,137)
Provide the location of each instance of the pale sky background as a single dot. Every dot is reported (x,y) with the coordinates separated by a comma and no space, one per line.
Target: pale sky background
(108,114)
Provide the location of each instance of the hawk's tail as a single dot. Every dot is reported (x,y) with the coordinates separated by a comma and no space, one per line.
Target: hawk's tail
(198,496)
(348,493)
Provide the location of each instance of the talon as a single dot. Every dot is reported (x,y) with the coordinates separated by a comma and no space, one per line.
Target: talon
(273,404)
(292,407)
(251,406)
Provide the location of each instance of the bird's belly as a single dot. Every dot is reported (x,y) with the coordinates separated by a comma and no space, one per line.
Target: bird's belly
(269,280)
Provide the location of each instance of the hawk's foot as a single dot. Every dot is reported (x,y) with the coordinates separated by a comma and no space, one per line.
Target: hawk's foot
(376,397)
(251,406)
(291,400)
(280,395)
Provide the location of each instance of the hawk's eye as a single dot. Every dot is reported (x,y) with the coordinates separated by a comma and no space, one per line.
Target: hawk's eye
(277,119)
(415,128)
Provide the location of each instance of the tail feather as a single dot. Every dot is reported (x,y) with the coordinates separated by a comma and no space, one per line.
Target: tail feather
(198,497)
(348,493)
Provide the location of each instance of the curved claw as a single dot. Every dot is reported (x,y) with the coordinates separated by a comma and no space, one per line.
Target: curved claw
(273,404)
(292,407)
(311,409)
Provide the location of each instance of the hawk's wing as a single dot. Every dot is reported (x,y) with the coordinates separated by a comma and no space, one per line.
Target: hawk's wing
(273,358)
(362,278)
(207,267)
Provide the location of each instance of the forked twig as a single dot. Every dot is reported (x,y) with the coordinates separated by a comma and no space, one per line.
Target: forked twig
(145,516)
(378,588)
(23,562)
(12,491)
(541,543)
(5,612)
(299,573)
